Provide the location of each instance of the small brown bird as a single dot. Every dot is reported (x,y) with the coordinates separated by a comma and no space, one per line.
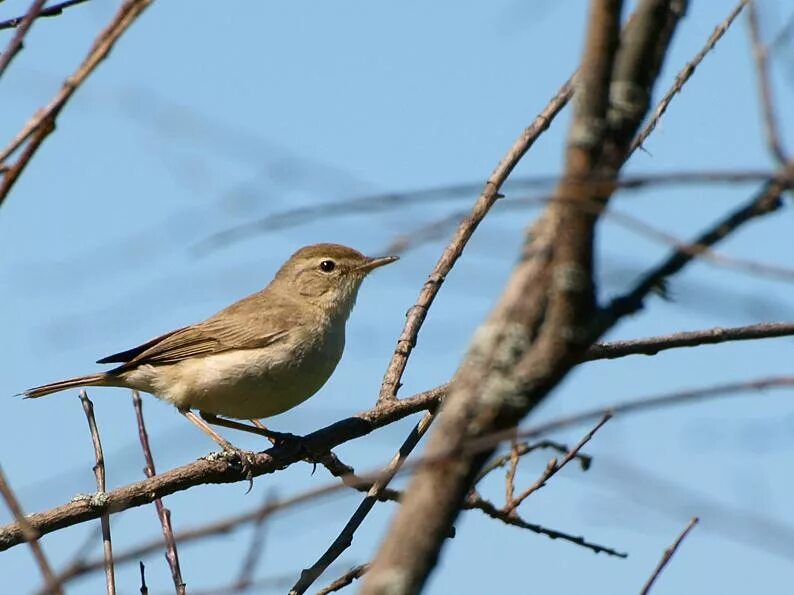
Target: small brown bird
(257,358)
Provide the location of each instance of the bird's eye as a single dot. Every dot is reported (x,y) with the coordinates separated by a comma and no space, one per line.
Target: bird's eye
(326,266)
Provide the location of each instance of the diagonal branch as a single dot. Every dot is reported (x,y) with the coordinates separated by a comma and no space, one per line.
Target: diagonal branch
(668,553)
(685,74)
(16,43)
(42,123)
(29,534)
(488,196)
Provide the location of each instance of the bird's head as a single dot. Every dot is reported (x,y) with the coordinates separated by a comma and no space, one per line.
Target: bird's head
(328,276)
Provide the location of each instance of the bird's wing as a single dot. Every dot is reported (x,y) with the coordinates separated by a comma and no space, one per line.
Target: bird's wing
(218,334)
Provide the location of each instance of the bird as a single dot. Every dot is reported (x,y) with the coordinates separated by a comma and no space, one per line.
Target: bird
(258,357)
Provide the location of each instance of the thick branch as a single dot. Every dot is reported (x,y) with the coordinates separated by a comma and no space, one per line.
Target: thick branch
(542,324)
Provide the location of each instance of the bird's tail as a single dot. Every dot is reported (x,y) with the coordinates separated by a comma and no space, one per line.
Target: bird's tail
(54,387)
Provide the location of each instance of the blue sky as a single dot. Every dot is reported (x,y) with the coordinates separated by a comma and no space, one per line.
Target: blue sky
(212,115)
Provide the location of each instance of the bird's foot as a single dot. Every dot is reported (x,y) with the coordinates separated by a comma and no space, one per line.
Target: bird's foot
(245,459)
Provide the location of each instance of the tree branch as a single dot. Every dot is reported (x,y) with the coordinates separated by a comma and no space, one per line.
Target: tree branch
(99,472)
(171,555)
(27,532)
(42,123)
(668,553)
(15,45)
(542,323)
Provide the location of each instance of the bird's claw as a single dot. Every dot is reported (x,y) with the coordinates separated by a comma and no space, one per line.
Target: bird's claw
(246,460)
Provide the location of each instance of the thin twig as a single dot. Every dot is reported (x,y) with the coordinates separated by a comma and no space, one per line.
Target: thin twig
(510,476)
(144,588)
(346,579)
(668,553)
(767,200)
(488,196)
(553,467)
(30,535)
(163,513)
(15,45)
(712,336)
(701,251)
(375,203)
(475,502)
(760,56)
(345,537)
(99,473)
(523,448)
(685,74)
(42,123)
(49,11)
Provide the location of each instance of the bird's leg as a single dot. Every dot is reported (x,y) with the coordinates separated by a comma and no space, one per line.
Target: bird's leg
(258,428)
(245,458)
(204,427)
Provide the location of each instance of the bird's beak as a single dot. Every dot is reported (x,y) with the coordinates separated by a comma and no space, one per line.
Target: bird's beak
(373,263)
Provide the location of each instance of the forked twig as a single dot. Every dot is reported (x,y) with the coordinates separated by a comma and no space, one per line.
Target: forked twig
(554,467)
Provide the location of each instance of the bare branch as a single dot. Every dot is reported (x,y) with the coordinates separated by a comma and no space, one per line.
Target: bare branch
(668,553)
(766,201)
(162,512)
(345,580)
(144,588)
(554,467)
(540,326)
(221,468)
(686,73)
(345,538)
(488,196)
(760,55)
(49,11)
(30,535)
(295,216)
(42,123)
(15,45)
(523,448)
(9,536)
(99,473)
(474,502)
(712,336)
